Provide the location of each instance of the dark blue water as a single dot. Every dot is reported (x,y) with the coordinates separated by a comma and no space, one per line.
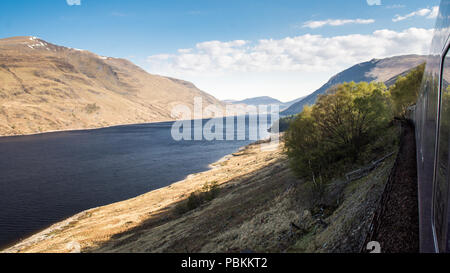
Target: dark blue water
(47,178)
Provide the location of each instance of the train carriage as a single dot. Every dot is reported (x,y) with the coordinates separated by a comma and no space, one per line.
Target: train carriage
(432,120)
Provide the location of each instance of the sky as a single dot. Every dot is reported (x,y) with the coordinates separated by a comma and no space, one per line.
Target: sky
(233,49)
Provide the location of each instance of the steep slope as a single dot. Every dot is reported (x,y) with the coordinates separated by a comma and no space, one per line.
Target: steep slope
(45,87)
(384,70)
(292,102)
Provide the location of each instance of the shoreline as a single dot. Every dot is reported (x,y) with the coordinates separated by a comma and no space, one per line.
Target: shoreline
(101,127)
(165,197)
(63,222)
(258,201)
(85,129)
(98,127)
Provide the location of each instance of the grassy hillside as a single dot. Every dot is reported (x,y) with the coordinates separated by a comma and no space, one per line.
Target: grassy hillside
(384,70)
(45,87)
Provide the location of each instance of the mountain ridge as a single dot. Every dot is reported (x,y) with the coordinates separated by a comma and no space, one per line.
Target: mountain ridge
(263,100)
(47,87)
(384,70)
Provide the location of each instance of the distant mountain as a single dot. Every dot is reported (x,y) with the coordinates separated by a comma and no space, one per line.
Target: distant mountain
(229,101)
(380,70)
(258,101)
(265,100)
(46,87)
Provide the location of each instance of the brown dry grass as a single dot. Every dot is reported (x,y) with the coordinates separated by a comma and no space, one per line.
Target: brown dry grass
(256,204)
(45,87)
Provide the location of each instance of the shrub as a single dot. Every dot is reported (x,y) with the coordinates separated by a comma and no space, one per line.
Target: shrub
(207,193)
(315,193)
(284,123)
(91,108)
(332,134)
(405,91)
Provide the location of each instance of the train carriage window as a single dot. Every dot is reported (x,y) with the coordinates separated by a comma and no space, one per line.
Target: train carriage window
(441,185)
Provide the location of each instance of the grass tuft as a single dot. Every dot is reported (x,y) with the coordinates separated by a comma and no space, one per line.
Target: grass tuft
(207,193)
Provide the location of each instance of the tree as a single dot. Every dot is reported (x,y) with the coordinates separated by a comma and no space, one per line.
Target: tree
(337,128)
(405,91)
(302,145)
(349,116)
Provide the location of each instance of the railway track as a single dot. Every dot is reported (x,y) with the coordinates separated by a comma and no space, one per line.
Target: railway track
(396,222)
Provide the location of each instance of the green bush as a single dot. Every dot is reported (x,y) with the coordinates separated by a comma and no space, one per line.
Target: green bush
(285,122)
(331,135)
(350,125)
(405,91)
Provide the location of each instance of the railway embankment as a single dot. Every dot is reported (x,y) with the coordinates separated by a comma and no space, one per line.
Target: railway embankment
(396,223)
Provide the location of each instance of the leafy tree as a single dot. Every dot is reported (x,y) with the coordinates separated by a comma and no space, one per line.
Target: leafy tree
(335,131)
(284,123)
(348,124)
(405,91)
(302,143)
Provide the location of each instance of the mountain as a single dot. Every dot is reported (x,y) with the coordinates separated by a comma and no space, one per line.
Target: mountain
(259,101)
(263,101)
(46,87)
(380,70)
(230,101)
(290,103)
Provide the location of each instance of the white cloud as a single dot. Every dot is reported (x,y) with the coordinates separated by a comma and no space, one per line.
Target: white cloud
(73,2)
(337,22)
(302,53)
(374,2)
(429,13)
(434,13)
(285,68)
